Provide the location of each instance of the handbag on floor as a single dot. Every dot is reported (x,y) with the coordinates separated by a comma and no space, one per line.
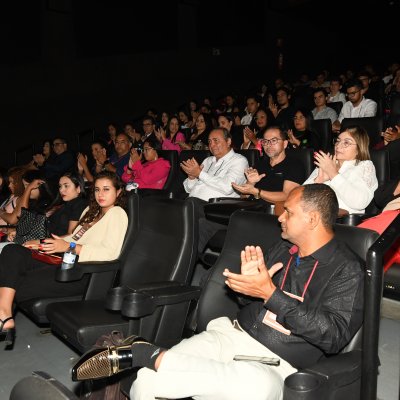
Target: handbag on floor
(31,226)
(108,388)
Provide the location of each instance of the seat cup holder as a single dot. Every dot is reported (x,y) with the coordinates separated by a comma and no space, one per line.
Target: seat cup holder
(304,385)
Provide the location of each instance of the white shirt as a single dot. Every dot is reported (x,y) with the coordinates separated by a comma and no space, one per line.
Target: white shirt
(354,185)
(246,120)
(325,113)
(216,177)
(367,108)
(339,96)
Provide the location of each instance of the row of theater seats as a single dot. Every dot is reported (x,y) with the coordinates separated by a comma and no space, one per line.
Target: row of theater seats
(147,292)
(322,128)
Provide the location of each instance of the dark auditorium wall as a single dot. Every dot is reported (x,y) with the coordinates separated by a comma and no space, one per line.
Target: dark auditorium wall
(70,65)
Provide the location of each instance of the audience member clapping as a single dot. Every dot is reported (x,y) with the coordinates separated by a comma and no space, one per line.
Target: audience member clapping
(153,173)
(349,172)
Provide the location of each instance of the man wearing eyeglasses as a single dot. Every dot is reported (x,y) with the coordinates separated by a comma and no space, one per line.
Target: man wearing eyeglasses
(63,161)
(149,125)
(274,176)
(357,106)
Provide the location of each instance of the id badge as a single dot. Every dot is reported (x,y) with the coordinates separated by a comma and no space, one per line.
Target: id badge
(270,318)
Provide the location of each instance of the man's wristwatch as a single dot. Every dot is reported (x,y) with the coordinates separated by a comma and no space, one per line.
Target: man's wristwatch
(257,195)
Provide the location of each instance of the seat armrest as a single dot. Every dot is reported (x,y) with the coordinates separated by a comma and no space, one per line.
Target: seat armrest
(220,211)
(116,295)
(353,219)
(324,377)
(81,268)
(229,199)
(154,192)
(341,369)
(144,302)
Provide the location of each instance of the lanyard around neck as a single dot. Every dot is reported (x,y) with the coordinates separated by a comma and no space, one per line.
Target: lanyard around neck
(308,280)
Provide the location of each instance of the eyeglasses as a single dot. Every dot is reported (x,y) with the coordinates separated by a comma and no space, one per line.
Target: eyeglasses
(271,142)
(345,143)
(351,94)
(147,148)
(58,144)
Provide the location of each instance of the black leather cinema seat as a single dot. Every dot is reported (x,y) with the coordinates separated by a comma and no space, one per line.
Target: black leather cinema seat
(162,254)
(373,126)
(36,308)
(41,386)
(349,375)
(322,128)
(252,155)
(337,377)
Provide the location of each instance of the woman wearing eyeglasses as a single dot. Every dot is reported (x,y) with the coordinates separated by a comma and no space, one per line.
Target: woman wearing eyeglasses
(349,172)
(153,173)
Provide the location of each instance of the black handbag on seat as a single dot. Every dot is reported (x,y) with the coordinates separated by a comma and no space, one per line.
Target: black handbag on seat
(31,226)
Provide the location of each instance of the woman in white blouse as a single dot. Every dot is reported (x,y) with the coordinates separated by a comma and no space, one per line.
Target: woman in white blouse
(349,172)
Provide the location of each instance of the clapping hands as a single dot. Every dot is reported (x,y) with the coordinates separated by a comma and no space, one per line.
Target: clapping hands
(255,279)
(328,167)
(191,168)
(253,176)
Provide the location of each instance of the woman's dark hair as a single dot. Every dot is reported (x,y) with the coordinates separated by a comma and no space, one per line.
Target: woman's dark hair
(168,131)
(307,115)
(153,143)
(16,173)
(46,196)
(94,208)
(103,144)
(228,116)
(77,180)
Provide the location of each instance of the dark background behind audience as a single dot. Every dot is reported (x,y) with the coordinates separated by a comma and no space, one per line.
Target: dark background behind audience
(71,65)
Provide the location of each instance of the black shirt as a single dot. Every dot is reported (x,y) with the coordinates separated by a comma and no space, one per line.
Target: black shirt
(307,139)
(56,166)
(332,310)
(287,170)
(69,211)
(284,119)
(384,194)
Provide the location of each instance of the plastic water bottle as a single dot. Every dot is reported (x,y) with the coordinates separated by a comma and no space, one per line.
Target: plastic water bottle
(131,186)
(69,257)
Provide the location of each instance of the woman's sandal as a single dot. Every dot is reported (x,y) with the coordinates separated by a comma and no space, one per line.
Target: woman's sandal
(7,335)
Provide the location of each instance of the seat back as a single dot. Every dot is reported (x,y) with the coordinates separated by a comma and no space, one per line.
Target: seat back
(336,105)
(322,128)
(40,386)
(99,283)
(245,227)
(249,227)
(359,240)
(305,156)
(380,159)
(373,126)
(252,155)
(395,105)
(172,157)
(164,248)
